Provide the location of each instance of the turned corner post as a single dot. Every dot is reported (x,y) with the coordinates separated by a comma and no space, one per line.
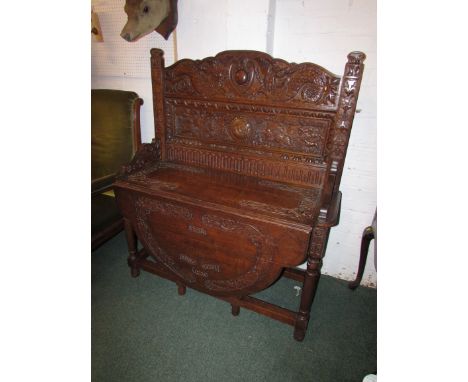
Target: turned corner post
(346,110)
(316,252)
(157,80)
(132,244)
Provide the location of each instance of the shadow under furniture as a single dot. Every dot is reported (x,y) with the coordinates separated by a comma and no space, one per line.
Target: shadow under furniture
(115,137)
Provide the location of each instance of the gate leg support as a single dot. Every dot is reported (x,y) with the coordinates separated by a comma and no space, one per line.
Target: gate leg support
(314,264)
(132,248)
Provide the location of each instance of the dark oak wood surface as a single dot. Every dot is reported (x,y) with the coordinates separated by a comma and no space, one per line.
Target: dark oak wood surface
(241,183)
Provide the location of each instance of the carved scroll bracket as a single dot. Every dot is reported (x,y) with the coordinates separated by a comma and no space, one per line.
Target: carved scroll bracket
(146,154)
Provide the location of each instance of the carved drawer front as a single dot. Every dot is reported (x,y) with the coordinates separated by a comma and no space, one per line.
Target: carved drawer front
(215,252)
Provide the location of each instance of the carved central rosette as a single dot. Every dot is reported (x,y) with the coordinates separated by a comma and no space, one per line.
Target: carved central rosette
(240,128)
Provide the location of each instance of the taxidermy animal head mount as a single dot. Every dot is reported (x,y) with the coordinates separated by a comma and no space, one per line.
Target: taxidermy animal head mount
(144,16)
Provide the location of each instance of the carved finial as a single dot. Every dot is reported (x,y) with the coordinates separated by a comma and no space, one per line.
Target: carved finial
(157,52)
(356,57)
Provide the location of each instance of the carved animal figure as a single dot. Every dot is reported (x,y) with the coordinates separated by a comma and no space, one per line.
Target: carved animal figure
(144,16)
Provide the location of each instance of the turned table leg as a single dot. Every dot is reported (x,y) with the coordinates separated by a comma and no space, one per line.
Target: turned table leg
(367,236)
(311,279)
(132,244)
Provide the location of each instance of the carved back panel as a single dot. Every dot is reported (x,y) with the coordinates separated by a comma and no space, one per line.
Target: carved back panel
(246,112)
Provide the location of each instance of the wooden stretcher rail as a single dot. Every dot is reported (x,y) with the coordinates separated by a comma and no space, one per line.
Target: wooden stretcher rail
(263,307)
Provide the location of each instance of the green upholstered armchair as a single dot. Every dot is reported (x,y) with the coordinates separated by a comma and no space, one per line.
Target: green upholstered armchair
(115,137)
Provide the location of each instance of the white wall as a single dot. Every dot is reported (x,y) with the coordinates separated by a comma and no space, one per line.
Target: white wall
(320,31)
(207,27)
(118,64)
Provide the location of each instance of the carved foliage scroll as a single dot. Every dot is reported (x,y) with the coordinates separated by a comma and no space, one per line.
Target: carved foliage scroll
(299,134)
(147,154)
(252,76)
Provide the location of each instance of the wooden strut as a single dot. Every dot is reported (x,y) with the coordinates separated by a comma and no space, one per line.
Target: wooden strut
(263,307)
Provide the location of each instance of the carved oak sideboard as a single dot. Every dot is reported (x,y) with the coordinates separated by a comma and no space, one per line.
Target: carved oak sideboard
(241,183)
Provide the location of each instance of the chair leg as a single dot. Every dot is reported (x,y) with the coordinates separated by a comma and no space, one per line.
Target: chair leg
(311,279)
(132,248)
(367,236)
